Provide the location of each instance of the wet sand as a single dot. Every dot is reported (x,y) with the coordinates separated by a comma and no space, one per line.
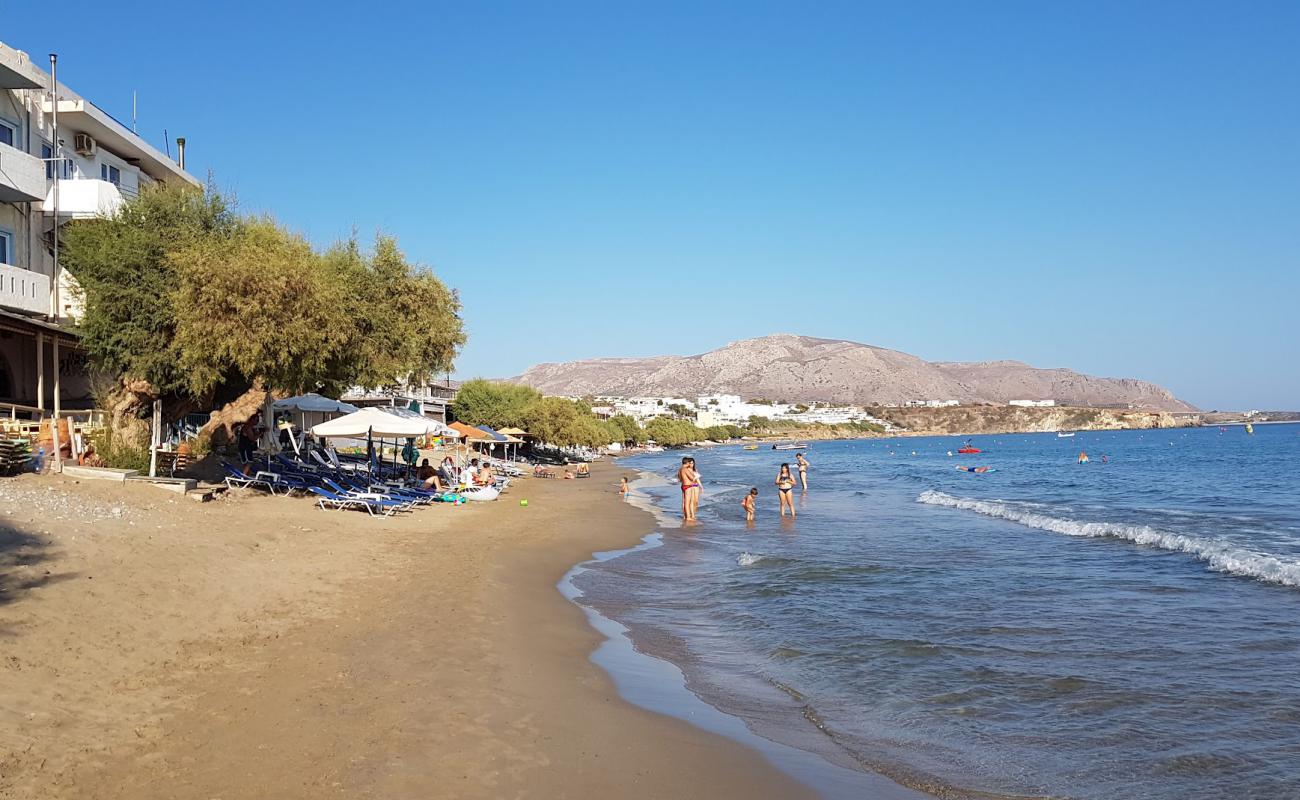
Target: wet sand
(258,647)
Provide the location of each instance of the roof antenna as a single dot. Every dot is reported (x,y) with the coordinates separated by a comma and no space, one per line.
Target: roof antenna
(167,143)
(134,113)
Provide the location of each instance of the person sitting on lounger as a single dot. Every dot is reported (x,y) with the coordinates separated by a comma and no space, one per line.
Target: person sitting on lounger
(428,476)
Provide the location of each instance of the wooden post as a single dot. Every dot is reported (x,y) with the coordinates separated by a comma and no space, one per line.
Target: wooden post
(57,464)
(40,373)
(155,440)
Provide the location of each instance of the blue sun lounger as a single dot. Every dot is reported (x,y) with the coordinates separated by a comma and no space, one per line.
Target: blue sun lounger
(375,506)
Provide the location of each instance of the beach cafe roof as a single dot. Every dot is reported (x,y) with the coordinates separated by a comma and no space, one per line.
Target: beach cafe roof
(514,432)
(381,422)
(500,436)
(473,434)
(312,402)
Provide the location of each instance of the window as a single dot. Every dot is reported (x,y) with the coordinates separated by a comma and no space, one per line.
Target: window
(111,174)
(47,155)
(6,247)
(8,133)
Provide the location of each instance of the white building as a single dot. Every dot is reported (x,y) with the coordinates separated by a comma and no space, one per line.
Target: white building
(1032,403)
(95,164)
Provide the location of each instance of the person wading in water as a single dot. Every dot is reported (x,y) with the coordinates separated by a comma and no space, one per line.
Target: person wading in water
(785,489)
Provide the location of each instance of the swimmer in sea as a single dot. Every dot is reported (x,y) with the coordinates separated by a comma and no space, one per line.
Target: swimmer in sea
(803,469)
(784,489)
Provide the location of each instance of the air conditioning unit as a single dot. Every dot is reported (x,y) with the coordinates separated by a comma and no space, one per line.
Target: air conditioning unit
(84,144)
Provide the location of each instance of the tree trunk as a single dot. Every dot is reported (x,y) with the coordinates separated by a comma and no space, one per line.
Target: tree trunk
(129,403)
(221,425)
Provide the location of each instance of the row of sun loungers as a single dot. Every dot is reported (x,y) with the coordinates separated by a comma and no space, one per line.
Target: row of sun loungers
(343,484)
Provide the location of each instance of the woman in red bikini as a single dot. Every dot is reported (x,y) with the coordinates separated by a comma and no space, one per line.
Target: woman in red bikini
(690,483)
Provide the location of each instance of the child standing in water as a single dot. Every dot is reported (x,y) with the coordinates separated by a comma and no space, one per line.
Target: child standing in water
(623,488)
(748,504)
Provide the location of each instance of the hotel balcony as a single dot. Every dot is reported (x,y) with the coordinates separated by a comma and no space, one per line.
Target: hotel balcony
(22,176)
(83,198)
(23,290)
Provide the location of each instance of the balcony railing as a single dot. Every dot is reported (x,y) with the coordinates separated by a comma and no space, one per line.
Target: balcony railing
(22,176)
(80,198)
(24,290)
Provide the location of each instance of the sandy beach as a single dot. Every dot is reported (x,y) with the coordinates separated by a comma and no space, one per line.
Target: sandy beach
(257,647)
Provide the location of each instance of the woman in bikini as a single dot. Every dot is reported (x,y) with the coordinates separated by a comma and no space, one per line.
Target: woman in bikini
(803,469)
(696,490)
(690,483)
(785,489)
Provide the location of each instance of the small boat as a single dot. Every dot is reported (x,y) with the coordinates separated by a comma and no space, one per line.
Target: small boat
(968,450)
(1064,435)
(794,446)
(1250,428)
(750,447)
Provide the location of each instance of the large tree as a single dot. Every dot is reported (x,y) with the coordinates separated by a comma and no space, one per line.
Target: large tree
(493,403)
(189,302)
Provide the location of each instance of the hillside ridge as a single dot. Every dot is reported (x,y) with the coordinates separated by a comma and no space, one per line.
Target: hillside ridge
(796,368)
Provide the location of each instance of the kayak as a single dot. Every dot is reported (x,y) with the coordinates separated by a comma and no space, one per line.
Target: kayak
(968,450)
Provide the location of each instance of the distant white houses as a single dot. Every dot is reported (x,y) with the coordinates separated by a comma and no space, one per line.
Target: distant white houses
(931,403)
(1032,403)
(728,409)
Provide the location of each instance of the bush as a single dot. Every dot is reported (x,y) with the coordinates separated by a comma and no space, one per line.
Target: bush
(118,453)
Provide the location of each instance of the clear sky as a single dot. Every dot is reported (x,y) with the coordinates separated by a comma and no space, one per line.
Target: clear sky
(1112,187)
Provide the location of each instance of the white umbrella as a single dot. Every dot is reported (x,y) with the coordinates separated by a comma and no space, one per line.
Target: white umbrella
(313,402)
(380,422)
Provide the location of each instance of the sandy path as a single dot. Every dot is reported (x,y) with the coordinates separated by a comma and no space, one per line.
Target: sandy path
(238,656)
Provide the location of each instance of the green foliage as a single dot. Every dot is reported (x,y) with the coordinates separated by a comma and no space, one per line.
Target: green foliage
(629,431)
(494,403)
(671,432)
(117,452)
(122,265)
(202,444)
(404,322)
(257,304)
(679,409)
(182,293)
(800,408)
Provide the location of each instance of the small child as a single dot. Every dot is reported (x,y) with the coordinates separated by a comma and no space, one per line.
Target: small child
(748,504)
(623,488)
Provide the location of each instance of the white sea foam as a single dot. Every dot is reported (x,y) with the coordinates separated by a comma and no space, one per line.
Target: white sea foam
(748,559)
(1219,555)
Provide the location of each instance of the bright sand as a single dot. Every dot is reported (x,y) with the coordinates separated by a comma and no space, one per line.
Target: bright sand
(258,647)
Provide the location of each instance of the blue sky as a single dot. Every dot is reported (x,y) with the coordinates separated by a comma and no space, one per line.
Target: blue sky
(1112,187)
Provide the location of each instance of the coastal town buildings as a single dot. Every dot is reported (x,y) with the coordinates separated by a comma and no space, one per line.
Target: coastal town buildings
(61,158)
(1032,403)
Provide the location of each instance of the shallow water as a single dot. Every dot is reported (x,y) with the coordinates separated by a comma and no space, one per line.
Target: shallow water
(1104,630)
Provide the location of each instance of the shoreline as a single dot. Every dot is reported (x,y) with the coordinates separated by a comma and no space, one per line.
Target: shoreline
(661,685)
(429,655)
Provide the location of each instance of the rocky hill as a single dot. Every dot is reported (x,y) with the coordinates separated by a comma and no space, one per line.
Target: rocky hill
(804,369)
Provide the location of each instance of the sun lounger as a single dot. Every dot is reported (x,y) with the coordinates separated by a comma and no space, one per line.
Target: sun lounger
(376,508)
(235,478)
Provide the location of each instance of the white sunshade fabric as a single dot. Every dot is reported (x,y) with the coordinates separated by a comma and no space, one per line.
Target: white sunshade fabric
(312,402)
(380,422)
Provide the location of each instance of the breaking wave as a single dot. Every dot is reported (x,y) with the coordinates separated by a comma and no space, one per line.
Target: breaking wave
(748,559)
(1221,556)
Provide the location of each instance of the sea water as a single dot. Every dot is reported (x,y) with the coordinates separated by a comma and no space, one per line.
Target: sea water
(1124,628)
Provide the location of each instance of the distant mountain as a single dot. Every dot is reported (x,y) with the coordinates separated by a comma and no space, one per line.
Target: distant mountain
(803,369)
